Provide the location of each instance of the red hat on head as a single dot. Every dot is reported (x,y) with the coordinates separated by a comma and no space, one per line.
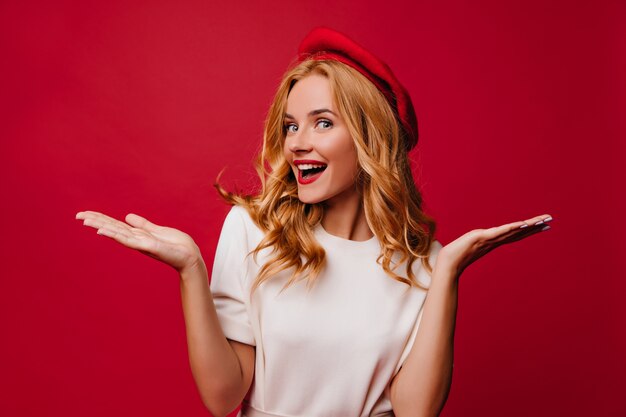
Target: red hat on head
(324,43)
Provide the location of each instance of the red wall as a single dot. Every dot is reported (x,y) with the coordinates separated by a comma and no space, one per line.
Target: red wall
(121,107)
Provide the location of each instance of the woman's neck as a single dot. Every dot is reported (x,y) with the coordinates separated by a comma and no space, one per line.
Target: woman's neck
(344,216)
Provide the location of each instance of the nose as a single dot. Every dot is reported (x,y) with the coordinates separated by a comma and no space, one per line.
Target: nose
(299,142)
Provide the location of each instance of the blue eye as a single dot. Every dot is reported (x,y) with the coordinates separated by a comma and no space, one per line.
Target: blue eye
(325,124)
(291,128)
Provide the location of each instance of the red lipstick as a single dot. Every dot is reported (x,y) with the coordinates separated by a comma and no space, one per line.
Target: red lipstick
(313,169)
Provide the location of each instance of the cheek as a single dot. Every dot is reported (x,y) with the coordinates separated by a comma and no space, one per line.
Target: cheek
(349,154)
(340,148)
(286,152)
(344,154)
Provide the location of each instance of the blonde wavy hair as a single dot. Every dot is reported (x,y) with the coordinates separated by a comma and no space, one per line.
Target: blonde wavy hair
(392,203)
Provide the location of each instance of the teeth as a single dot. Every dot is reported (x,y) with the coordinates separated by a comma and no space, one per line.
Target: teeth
(302,167)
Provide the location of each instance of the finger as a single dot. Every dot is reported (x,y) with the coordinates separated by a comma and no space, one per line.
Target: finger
(536,221)
(141,222)
(122,229)
(94,215)
(512,227)
(515,231)
(117,235)
(499,231)
(536,226)
(522,234)
(88,213)
(98,222)
(506,228)
(119,231)
(129,239)
(82,215)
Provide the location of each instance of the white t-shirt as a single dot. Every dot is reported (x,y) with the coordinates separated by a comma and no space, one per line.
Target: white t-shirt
(329,352)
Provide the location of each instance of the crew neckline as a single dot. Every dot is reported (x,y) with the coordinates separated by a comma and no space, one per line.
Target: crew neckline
(344,241)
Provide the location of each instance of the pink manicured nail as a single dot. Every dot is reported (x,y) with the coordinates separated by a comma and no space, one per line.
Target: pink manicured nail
(523,226)
(545,228)
(539,222)
(549,219)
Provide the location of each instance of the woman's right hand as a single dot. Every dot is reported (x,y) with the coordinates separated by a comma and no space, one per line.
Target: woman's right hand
(168,245)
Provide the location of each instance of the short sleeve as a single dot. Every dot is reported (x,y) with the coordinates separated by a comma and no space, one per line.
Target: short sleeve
(423,277)
(227,279)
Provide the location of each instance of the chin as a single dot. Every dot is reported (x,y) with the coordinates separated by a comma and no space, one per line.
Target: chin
(309,200)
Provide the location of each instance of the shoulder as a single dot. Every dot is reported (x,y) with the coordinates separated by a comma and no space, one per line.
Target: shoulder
(236,213)
(239,225)
(435,247)
(238,217)
(422,275)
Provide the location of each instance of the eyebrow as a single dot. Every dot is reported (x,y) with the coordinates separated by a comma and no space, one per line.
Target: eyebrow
(312,113)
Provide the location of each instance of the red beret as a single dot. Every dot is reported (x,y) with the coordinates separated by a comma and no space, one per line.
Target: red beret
(324,43)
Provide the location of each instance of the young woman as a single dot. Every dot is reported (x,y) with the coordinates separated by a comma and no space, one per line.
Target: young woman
(329,295)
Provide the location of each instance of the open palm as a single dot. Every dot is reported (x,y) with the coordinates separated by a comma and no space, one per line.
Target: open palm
(468,248)
(166,244)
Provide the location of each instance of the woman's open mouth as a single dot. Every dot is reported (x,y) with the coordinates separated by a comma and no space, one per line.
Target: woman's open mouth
(307,173)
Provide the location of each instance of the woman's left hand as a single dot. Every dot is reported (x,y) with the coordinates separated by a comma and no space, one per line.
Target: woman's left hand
(465,250)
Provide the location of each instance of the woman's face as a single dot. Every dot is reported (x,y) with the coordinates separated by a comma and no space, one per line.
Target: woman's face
(317,145)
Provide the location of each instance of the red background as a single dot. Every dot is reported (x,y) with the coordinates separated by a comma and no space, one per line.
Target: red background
(135,107)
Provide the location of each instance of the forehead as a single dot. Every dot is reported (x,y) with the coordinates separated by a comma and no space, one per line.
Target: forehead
(311,92)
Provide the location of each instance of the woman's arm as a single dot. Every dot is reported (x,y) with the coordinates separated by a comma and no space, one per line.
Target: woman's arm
(422,385)
(223,371)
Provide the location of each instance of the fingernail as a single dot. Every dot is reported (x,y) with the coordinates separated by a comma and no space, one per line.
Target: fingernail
(523,226)
(539,222)
(549,219)
(545,228)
